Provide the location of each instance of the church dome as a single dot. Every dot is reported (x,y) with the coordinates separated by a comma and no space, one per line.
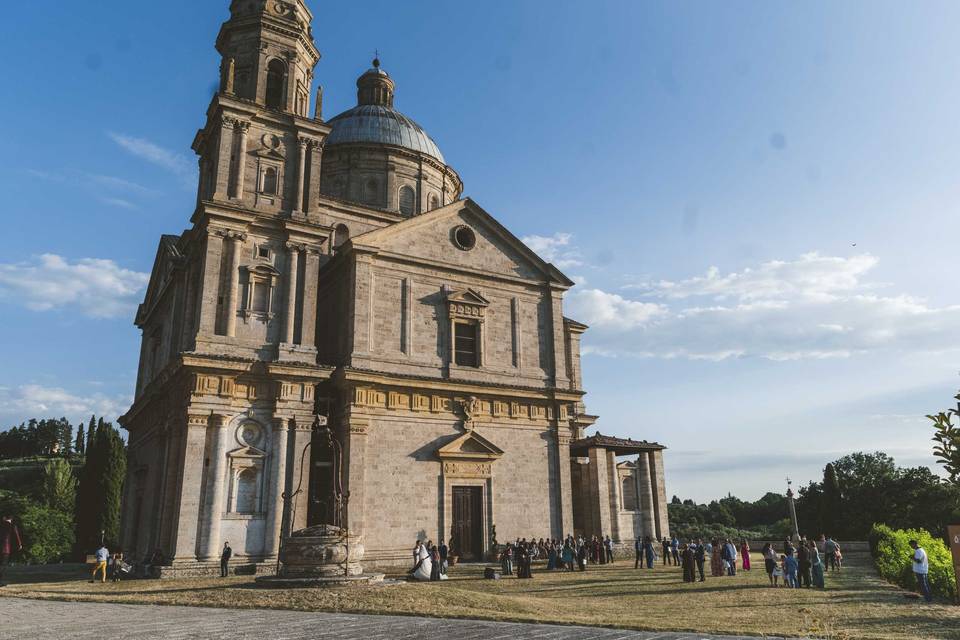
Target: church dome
(381,124)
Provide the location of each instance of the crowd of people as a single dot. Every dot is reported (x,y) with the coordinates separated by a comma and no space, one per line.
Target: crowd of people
(430,561)
(570,554)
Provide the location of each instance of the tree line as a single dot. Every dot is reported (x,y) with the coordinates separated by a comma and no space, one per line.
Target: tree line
(66,499)
(857,491)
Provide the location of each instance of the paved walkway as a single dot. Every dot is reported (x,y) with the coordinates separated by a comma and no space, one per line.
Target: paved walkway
(41,619)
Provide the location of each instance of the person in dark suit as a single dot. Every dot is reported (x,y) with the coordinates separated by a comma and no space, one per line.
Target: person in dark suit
(225,559)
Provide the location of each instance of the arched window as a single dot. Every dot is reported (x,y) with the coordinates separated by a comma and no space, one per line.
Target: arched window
(407,200)
(340,235)
(270,181)
(247,491)
(276,76)
(434,202)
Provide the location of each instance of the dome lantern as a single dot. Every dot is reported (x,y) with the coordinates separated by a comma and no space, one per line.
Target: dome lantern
(375,87)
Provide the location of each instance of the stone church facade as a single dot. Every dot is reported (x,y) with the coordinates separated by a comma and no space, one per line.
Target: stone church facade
(335,274)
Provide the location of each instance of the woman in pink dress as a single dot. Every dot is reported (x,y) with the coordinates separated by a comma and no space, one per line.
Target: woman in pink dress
(745,554)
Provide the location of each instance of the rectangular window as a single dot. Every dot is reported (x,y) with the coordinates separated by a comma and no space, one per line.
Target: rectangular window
(261,296)
(465,344)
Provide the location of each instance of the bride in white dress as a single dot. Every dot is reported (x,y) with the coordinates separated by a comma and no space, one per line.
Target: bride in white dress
(424,565)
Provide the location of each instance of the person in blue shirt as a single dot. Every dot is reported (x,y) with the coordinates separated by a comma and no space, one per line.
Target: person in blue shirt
(102,555)
(790,568)
(675,550)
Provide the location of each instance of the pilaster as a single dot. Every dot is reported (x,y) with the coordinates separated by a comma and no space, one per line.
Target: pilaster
(565,483)
(356,428)
(183,543)
(235,240)
(278,485)
(311,274)
(290,313)
(216,489)
(210,286)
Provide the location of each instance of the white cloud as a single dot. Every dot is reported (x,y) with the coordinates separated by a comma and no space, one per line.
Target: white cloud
(93,181)
(176,163)
(98,288)
(810,308)
(36,401)
(120,202)
(555,249)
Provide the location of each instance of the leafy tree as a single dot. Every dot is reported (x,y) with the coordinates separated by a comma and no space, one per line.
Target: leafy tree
(47,533)
(947,439)
(100,488)
(59,486)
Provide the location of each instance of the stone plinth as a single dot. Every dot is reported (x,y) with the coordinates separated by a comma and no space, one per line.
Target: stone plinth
(320,556)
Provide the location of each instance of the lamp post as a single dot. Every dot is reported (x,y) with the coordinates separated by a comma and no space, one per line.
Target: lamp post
(793,511)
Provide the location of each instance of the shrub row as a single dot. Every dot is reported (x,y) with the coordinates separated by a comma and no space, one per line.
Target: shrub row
(894,558)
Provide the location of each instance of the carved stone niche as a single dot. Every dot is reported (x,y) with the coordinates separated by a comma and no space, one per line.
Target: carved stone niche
(469,456)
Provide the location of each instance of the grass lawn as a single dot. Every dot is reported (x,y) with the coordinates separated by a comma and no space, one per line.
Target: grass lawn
(856,603)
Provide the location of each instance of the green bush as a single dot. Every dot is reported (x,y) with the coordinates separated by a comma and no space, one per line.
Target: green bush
(894,558)
(47,534)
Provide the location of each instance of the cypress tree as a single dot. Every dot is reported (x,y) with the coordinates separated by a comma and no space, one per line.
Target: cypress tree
(112,462)
(78,446)
(90,428)
(831,499)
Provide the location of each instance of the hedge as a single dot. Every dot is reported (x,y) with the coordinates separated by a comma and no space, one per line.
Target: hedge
(894,558)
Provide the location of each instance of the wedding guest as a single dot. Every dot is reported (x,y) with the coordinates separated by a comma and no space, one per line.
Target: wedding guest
(770,562)
(745,554)
(816,565)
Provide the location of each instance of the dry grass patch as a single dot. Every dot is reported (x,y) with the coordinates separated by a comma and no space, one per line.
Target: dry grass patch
(856,604)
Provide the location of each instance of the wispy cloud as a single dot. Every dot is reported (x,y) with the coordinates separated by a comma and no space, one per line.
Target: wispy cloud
(812,307)
(37,401)
(120,202)
(176,163)
(110,190)
(556,249)
(98,288)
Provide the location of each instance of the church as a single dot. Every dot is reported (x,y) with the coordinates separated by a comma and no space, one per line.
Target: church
(335,274)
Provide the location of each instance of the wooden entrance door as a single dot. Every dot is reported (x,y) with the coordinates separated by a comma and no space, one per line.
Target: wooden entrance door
(468,522)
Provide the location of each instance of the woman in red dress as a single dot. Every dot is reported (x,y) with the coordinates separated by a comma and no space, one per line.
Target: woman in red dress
(745,554)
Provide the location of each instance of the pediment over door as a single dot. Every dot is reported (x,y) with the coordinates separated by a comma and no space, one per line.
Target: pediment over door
(469,456)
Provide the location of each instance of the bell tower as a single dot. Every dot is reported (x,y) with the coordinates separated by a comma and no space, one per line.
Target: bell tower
(268,54)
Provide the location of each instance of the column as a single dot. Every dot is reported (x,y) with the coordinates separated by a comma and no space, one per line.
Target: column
(301,171)
(278,484)
(210,286)
(659,492)
(645,495)
(241,169)
(290,315)
(599,491)
(614,497)
(311,274)
(230,304)
(565,481)
(216,490)
(183,542)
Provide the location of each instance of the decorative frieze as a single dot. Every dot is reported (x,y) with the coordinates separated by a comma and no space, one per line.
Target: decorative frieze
(479,408)
(467,469)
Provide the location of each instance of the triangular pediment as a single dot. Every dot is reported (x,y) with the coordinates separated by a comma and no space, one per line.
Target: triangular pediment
(433,239)
(247,452)
(469,446)
(468,296)
(167,260)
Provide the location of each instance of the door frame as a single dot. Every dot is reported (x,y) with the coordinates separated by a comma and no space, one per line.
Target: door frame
(447,483)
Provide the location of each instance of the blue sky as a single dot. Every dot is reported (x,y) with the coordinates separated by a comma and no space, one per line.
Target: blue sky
(704,170)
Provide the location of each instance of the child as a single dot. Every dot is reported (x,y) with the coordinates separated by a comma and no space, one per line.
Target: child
(778,572)
(838,557)
(790,568)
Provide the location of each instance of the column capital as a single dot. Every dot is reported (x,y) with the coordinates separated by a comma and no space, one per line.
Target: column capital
(303,142)
(242,125)
(218,420)
(198,419)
